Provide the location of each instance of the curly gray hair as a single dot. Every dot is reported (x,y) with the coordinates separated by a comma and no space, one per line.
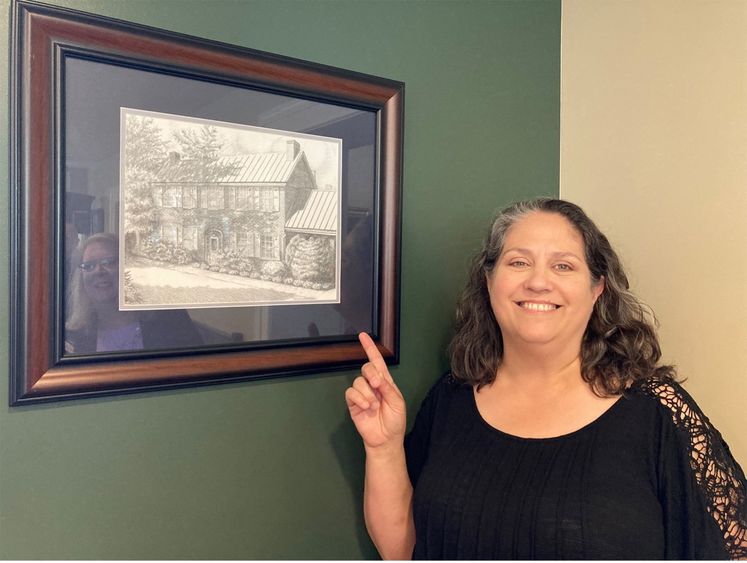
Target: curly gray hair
(620,345)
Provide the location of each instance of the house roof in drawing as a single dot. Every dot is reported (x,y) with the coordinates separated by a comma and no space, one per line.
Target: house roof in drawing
(255,168)
(258,168)
(319,215)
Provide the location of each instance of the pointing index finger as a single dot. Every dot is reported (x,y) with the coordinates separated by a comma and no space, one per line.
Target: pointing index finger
(374,356)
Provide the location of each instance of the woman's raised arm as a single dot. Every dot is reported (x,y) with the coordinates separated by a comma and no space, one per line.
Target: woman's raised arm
(377,409)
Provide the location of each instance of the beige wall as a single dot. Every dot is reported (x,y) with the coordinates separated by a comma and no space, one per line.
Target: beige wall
(654,146)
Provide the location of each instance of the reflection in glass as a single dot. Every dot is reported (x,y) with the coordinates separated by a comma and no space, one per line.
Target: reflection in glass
(94,322)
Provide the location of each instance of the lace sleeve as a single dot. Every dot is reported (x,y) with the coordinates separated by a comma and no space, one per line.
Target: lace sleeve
(718,475)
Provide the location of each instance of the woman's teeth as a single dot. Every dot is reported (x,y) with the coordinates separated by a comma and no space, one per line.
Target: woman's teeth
(538,306)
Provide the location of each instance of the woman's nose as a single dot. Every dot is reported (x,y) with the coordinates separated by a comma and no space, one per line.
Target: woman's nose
(539,279)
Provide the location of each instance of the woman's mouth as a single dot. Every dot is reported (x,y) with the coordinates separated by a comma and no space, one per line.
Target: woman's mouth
(539,307)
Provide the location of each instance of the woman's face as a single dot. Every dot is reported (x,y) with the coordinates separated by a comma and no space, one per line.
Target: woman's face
(540,289)
(101,273)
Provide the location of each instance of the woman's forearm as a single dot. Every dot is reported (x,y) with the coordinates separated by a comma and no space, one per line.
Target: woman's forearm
(387,503)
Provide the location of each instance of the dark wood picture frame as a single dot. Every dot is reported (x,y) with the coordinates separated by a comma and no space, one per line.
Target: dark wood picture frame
(41,37)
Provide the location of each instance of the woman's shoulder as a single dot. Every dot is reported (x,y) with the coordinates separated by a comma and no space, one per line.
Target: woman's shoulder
(675,406)
(717,474)
(657,386)
(696,432)
(670,397)
(445,387)
(448,382)
(442,396)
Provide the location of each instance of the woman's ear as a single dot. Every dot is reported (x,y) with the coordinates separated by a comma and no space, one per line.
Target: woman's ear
(598,288)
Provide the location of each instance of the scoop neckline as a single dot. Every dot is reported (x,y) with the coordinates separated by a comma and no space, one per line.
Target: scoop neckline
(583,429)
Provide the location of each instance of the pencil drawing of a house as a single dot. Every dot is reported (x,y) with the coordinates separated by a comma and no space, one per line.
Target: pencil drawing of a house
(223,215)
(253,204)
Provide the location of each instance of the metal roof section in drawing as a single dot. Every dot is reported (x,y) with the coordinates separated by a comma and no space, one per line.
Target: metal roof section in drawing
(253,168)
(318,216)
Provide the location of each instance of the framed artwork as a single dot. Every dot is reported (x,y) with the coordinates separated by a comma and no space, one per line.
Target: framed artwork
(186,212)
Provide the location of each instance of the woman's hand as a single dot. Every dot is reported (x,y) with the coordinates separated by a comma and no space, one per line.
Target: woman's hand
(374,401)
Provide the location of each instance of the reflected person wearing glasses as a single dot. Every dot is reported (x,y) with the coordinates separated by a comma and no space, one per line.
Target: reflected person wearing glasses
(94,321)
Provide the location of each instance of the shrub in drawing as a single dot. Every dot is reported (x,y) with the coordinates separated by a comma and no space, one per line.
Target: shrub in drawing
(311,258)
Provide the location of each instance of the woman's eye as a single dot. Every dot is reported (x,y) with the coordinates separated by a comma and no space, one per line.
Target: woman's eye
(563,267)
(517,263)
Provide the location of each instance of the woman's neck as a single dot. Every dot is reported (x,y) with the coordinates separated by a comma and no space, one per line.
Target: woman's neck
(536,369)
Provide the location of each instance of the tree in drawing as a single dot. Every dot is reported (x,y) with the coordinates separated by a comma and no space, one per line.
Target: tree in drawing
(144,155)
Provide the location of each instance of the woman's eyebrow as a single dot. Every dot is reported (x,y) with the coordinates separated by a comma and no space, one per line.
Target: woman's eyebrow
(556,254)
(562,254)
(517,249)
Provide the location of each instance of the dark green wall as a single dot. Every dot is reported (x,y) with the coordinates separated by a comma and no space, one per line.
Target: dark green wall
(274,469)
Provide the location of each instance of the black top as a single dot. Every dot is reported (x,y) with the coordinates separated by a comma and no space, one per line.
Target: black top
(649,479)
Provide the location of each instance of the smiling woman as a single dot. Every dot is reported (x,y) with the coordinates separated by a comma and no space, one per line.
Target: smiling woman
(541,290)
(616,339)
(557,434)
(94,321)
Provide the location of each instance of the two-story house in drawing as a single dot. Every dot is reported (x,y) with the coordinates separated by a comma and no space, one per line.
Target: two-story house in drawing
(252,203)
